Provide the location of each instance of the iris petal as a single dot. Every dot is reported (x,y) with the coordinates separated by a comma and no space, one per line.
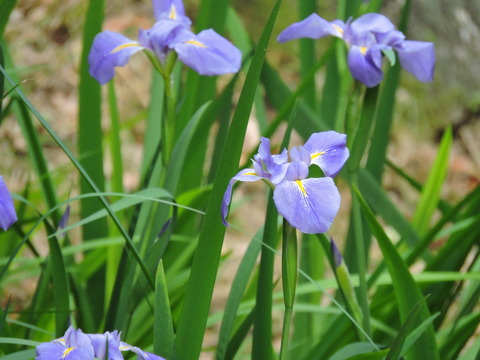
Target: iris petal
(7,210)
(328,150)
(99,342)
(244,175)
(373,22)
(208,53)
(309,205)
(313,27)
(109,50)
(418,58)
(363,68)
(170,9)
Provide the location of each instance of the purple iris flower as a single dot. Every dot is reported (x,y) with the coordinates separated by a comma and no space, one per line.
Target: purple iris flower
(74,345)
(367,38)
(7,210)
(308,204)
(207,53)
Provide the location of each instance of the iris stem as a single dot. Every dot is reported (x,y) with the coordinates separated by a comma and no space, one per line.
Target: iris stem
(289,281)
(168,125)
(361,260)
(168,119)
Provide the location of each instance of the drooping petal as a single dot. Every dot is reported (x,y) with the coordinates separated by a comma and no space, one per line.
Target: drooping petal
(208,53)
(110,49)
(371,22)
(74,345)
(244,175)
(313,27)
(328,150)
(48,351)
(418,58)
(8,215)
(309,205)
(143,355)
(364,66)
(170,9)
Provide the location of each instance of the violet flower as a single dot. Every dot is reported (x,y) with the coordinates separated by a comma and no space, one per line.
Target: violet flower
(74,345)
(368,38)
(207,53)
(7,210)
(308,204)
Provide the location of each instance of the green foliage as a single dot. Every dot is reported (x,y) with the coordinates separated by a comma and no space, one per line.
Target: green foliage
(145,261)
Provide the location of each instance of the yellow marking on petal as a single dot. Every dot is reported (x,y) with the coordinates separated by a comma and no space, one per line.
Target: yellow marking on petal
(302,188)
(253,174)
(339,29)
(173,13)
(363,50)
(121,47)
(66,352)
(313,156)
(195,42)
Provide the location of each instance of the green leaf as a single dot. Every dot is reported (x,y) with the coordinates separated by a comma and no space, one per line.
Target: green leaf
(163,334)
(398,342)
(416,333)
(20,355)
(90,147)
(431,191)
(205,263)
(390,55)
(353,349)
(239,285)
(6,8)
(407,292)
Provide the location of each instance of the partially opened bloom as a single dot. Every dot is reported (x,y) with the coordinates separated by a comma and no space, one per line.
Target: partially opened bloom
(266,166)
(208,53)
(74,345)
(367,38)
(308,204)
(8,215)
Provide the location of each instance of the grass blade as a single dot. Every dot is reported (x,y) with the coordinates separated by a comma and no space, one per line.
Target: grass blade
(6,8)
(407,292)
(239,285)
(431,191)
(90,149)
(205,264)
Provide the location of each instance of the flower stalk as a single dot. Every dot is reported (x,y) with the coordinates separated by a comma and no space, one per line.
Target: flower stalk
(289,281)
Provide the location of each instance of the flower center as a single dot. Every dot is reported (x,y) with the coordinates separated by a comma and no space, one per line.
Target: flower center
(339,29)
(121,47)
(66,352)
(173,13)
(313,156)
(302,188)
